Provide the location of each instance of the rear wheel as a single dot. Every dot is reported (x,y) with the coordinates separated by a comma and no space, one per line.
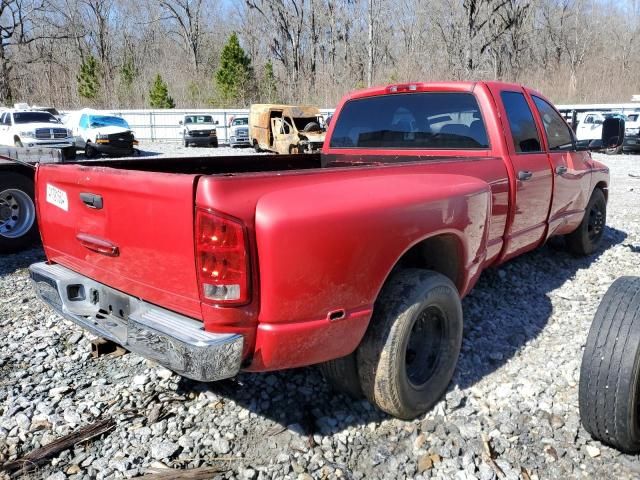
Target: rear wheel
(256,147)
(587,237)
(609,393)
(18,227)
(410,350)
(90,151)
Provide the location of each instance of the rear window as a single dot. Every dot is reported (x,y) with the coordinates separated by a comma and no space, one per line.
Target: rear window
(428,120)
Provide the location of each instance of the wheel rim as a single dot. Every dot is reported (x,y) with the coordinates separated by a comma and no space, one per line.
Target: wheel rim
(17,213)
(596,223)
(425,346)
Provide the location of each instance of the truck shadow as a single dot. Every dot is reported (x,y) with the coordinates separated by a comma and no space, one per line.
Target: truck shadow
(10,263)
(496,327)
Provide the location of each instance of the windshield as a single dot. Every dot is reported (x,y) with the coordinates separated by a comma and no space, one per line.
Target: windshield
(107,121)
(198,119)
(632,118)
(241,121)
(433,120)
(34,117)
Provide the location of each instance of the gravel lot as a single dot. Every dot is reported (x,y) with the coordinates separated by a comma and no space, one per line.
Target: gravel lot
(516,386)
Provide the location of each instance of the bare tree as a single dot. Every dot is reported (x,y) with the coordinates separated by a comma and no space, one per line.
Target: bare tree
(185,20)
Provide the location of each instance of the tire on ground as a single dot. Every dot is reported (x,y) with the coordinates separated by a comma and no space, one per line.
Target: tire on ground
(90,151)
(586,239)
(342,375)
(610,371)
(410,350)
(10,181)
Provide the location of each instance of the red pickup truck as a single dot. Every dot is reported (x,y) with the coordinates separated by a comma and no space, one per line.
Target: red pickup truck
(355,259)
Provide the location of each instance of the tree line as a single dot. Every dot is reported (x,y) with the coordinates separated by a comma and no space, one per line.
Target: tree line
(217,53)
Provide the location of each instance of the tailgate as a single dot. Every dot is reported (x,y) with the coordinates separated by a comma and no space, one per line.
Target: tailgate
(130,230)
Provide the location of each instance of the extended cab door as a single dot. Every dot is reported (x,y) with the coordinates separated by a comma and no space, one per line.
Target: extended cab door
(531,180)
(571,169)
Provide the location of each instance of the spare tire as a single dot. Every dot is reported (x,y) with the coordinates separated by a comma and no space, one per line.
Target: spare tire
(609,396)
(312,127)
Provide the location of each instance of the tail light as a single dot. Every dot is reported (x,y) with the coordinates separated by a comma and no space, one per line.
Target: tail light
(221,259)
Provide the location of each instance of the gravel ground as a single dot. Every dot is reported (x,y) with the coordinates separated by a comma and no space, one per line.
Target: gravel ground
(516,386)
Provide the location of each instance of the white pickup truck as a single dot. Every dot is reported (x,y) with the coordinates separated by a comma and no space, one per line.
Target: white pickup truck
(35,129)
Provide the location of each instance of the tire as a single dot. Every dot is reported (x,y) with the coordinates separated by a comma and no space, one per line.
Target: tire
(613,151)
(18,143)
(404,371)
(186,144)
(90,151)
(586,239)
(610,372)
(18,226)
(312,127)
(69,153)
(342,375)
(256,147)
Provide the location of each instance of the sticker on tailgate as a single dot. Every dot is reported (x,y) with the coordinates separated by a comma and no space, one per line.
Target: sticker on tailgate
(57,197)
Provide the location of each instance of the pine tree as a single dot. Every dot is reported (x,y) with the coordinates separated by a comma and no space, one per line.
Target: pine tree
(128,72)
(235,77)
(159,94)
(88,81)
(269,86)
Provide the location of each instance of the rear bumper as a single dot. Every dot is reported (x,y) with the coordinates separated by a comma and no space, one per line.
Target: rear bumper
(174,341)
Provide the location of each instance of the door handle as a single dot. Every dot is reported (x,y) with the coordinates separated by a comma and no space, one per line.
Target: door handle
(524,175)
(561,170)
(91,200)
(98,245)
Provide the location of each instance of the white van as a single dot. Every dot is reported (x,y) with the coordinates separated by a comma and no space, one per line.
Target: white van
(96,133)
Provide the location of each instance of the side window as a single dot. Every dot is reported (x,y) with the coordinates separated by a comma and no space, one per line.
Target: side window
(3,119)
(523,127)
(84,121)
(558,133)
(589,119)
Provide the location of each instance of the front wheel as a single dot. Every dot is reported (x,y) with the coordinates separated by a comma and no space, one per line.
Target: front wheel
(18,227)
(609,392)
(90,151)
(586,239)
(256,147)
(410,350)
(18,143)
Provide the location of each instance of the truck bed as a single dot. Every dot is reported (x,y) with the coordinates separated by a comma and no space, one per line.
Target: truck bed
(212,165)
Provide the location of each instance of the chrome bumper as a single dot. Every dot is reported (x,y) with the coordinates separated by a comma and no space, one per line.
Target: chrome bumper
(173,340)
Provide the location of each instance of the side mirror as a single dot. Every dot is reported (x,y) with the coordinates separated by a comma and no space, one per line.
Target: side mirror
(612,132)
(180,122)
(216,122)
(612,136)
